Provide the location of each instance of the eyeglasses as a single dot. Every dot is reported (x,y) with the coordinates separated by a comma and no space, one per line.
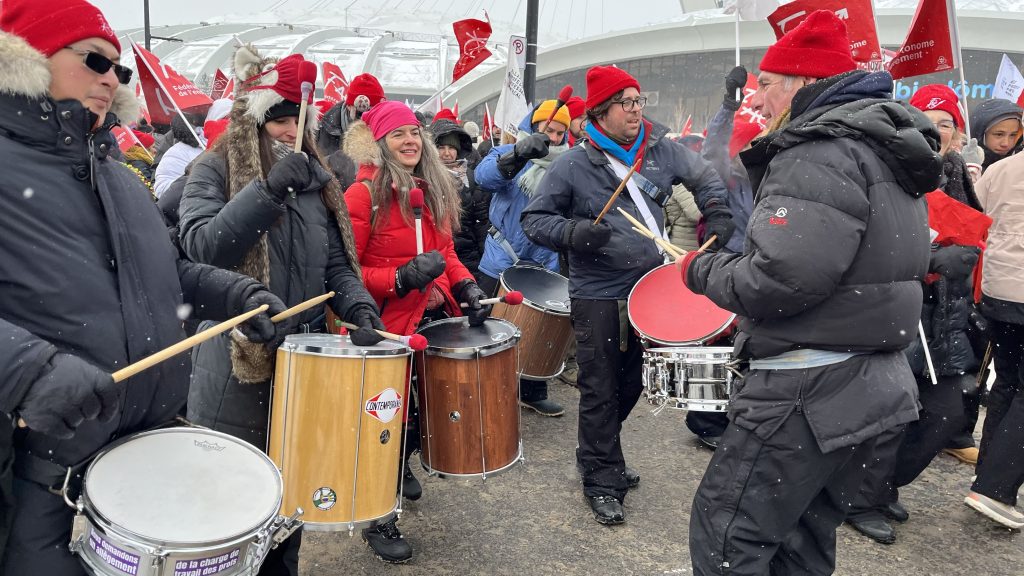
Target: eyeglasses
(630,105)
(945,125)
(100,64)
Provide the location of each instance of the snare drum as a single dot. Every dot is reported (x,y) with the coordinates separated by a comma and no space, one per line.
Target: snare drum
(688,378)
(542,318)
(665,312)
(179,502)
(469,398)
(336,427)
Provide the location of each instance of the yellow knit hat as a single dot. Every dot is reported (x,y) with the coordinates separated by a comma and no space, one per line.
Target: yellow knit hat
(544,110)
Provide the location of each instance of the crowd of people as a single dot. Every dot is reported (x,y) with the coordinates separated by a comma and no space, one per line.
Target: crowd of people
(818,237)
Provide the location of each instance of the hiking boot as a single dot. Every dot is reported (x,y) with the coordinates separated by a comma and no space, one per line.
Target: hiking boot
(544,407)
(1005,514)
(607,510)
(967,455)
(875,528)
(387,542)
(411,487)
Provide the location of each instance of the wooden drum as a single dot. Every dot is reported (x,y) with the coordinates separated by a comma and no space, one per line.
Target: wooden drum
(469,398)
(543,319)
(336,428)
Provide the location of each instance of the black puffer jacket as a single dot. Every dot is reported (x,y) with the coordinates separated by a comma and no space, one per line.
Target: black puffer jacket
(839,231)
(469,240)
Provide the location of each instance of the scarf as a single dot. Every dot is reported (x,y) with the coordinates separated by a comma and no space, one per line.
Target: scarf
(606,144)
(459,169)
(530,180)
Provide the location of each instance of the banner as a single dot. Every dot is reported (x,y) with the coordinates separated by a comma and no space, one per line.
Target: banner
(858,15)
(220,83)
(472,36)
(335,84)
(1009,81)
(164,88)
(512,106)
(929,46)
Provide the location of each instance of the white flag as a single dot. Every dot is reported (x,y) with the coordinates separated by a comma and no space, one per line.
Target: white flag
(432,105)
(512,106)
(1009,81)
(752,9)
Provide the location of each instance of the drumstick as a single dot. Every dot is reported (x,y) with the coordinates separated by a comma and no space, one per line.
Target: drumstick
(618,190)
(563,97)
(513,298)
(175,349)
(710,241)
(301,307)
(417,341)
(665,245)
(307,77)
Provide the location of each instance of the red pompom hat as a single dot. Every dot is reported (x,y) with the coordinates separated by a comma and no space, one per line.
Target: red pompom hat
(364,85)
(576,107)
(603,82)
(818,48)
(50,26)
(446,114)
(146,140)
(939,97)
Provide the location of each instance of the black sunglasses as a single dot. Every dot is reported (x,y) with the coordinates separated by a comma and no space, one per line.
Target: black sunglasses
(100,64)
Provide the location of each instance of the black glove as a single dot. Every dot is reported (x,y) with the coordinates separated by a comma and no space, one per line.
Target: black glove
(470,293)
(955,261)
(318,176)
(68,392)
(289,174)
(718,221)
(735,80)
(419,272)
(586,237)
(259,328)
(366,318)
(530,148)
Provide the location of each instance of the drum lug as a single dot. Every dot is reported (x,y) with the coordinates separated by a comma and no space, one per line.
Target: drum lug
(287,527)
(78,528)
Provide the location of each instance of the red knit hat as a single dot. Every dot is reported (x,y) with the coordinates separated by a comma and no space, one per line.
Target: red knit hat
(446,114)
(576,107)
(146,140)
(387,116)
(289,81)
(50,26)
(939,97)
(364,85)
(604,81)
(818,47)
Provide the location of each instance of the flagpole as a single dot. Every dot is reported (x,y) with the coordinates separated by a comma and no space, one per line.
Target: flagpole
(955,24)
(160,85)
(432,96)
(737,20)
(138,142)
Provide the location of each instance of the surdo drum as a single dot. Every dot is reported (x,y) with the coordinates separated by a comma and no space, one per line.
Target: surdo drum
(543,319)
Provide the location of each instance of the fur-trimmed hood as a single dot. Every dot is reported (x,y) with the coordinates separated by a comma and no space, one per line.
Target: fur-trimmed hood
(360,146)
(247,65)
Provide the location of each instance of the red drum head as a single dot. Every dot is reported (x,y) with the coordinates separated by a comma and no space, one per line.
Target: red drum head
(663,310)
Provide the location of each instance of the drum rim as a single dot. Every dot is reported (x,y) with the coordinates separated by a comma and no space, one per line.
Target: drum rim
(101,520)
(290,345)
(530,303)
(482,475)
(711,352)
(470,352)
(671,343)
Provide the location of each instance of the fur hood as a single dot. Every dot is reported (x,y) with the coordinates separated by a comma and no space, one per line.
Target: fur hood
(247,64)
(25,72)
(360,146)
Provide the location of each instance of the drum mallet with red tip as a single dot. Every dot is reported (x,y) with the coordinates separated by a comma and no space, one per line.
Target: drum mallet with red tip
(513,298)
(307,77)
(417,342)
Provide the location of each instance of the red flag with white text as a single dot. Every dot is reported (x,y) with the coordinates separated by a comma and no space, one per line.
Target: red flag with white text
(857,14)
(335,84)
(124,138)
(747,123)
(472,36)
(929,46)
(220,83)
(164,88)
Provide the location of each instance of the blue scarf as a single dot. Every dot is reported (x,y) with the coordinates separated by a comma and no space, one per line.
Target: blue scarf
(627,157)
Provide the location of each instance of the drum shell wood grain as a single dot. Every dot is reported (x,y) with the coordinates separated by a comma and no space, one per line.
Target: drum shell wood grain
(546,338)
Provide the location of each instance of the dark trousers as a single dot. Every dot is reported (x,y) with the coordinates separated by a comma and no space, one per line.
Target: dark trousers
(610,384)
(964,438)
(38,543)
(772,506)
(707,424)
(876,488)
(1001,456)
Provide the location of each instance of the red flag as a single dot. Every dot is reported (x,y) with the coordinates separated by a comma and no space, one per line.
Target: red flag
(164,88)
(335,84)
(486,132)
(687,126)
(1020,100)
(955,222)
(143,109)
(472,36)
(858,15)
(747,123)
(929,44)
(220,83)
(124,136)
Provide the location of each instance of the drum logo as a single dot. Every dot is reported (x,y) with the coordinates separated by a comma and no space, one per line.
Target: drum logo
(324,498)
(384,405)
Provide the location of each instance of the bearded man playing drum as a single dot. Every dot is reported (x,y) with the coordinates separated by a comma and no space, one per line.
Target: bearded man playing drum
(608,258)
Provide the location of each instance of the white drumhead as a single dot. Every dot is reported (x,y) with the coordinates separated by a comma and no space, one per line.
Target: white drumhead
(184,485)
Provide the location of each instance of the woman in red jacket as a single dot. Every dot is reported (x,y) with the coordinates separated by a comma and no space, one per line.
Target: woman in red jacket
(409,288)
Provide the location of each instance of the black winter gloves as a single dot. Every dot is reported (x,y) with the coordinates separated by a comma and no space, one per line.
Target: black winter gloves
(259,328)
(369,322)
(68,392)
(586,237)
(530,148)
(718,221)
(468,292)
(954,261)
(735,80)
(418,272)
(296,173)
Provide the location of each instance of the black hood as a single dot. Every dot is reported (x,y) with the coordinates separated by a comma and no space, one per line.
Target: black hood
(181,131)
(984,116)
(442,128)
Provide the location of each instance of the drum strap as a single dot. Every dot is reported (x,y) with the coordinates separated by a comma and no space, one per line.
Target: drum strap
(503,243)
(637,196)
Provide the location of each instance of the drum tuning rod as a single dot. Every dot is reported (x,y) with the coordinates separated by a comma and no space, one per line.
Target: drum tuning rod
(513,298)
(417,341)
(301,307)
(608,205)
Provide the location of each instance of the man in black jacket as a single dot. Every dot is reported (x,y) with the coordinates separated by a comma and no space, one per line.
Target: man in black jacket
(89,283)
(607,259)
(828,290)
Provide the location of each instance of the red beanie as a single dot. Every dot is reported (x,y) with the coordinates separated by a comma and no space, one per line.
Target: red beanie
(50,26)
(939,97)
(289,81)
(818,47)
(604,81)
(446,114)
(576,107)
(364,85)
(387,116)
(146,140)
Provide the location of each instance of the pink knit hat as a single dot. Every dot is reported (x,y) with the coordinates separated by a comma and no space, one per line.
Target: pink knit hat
(387,116)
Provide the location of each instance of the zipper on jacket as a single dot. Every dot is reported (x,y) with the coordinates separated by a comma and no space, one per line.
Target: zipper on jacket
(800,404)
(92,164)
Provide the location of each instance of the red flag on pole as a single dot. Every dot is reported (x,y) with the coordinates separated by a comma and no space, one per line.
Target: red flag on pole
(687,126)
(747,123)
(143,109)
(229,90)
(486,131)
(335,84)
(220,83)
(472,36)
(165,89)
(929,44)
(857,14)
(124,137)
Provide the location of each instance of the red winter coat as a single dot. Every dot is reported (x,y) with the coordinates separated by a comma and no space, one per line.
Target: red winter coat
(392,244)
